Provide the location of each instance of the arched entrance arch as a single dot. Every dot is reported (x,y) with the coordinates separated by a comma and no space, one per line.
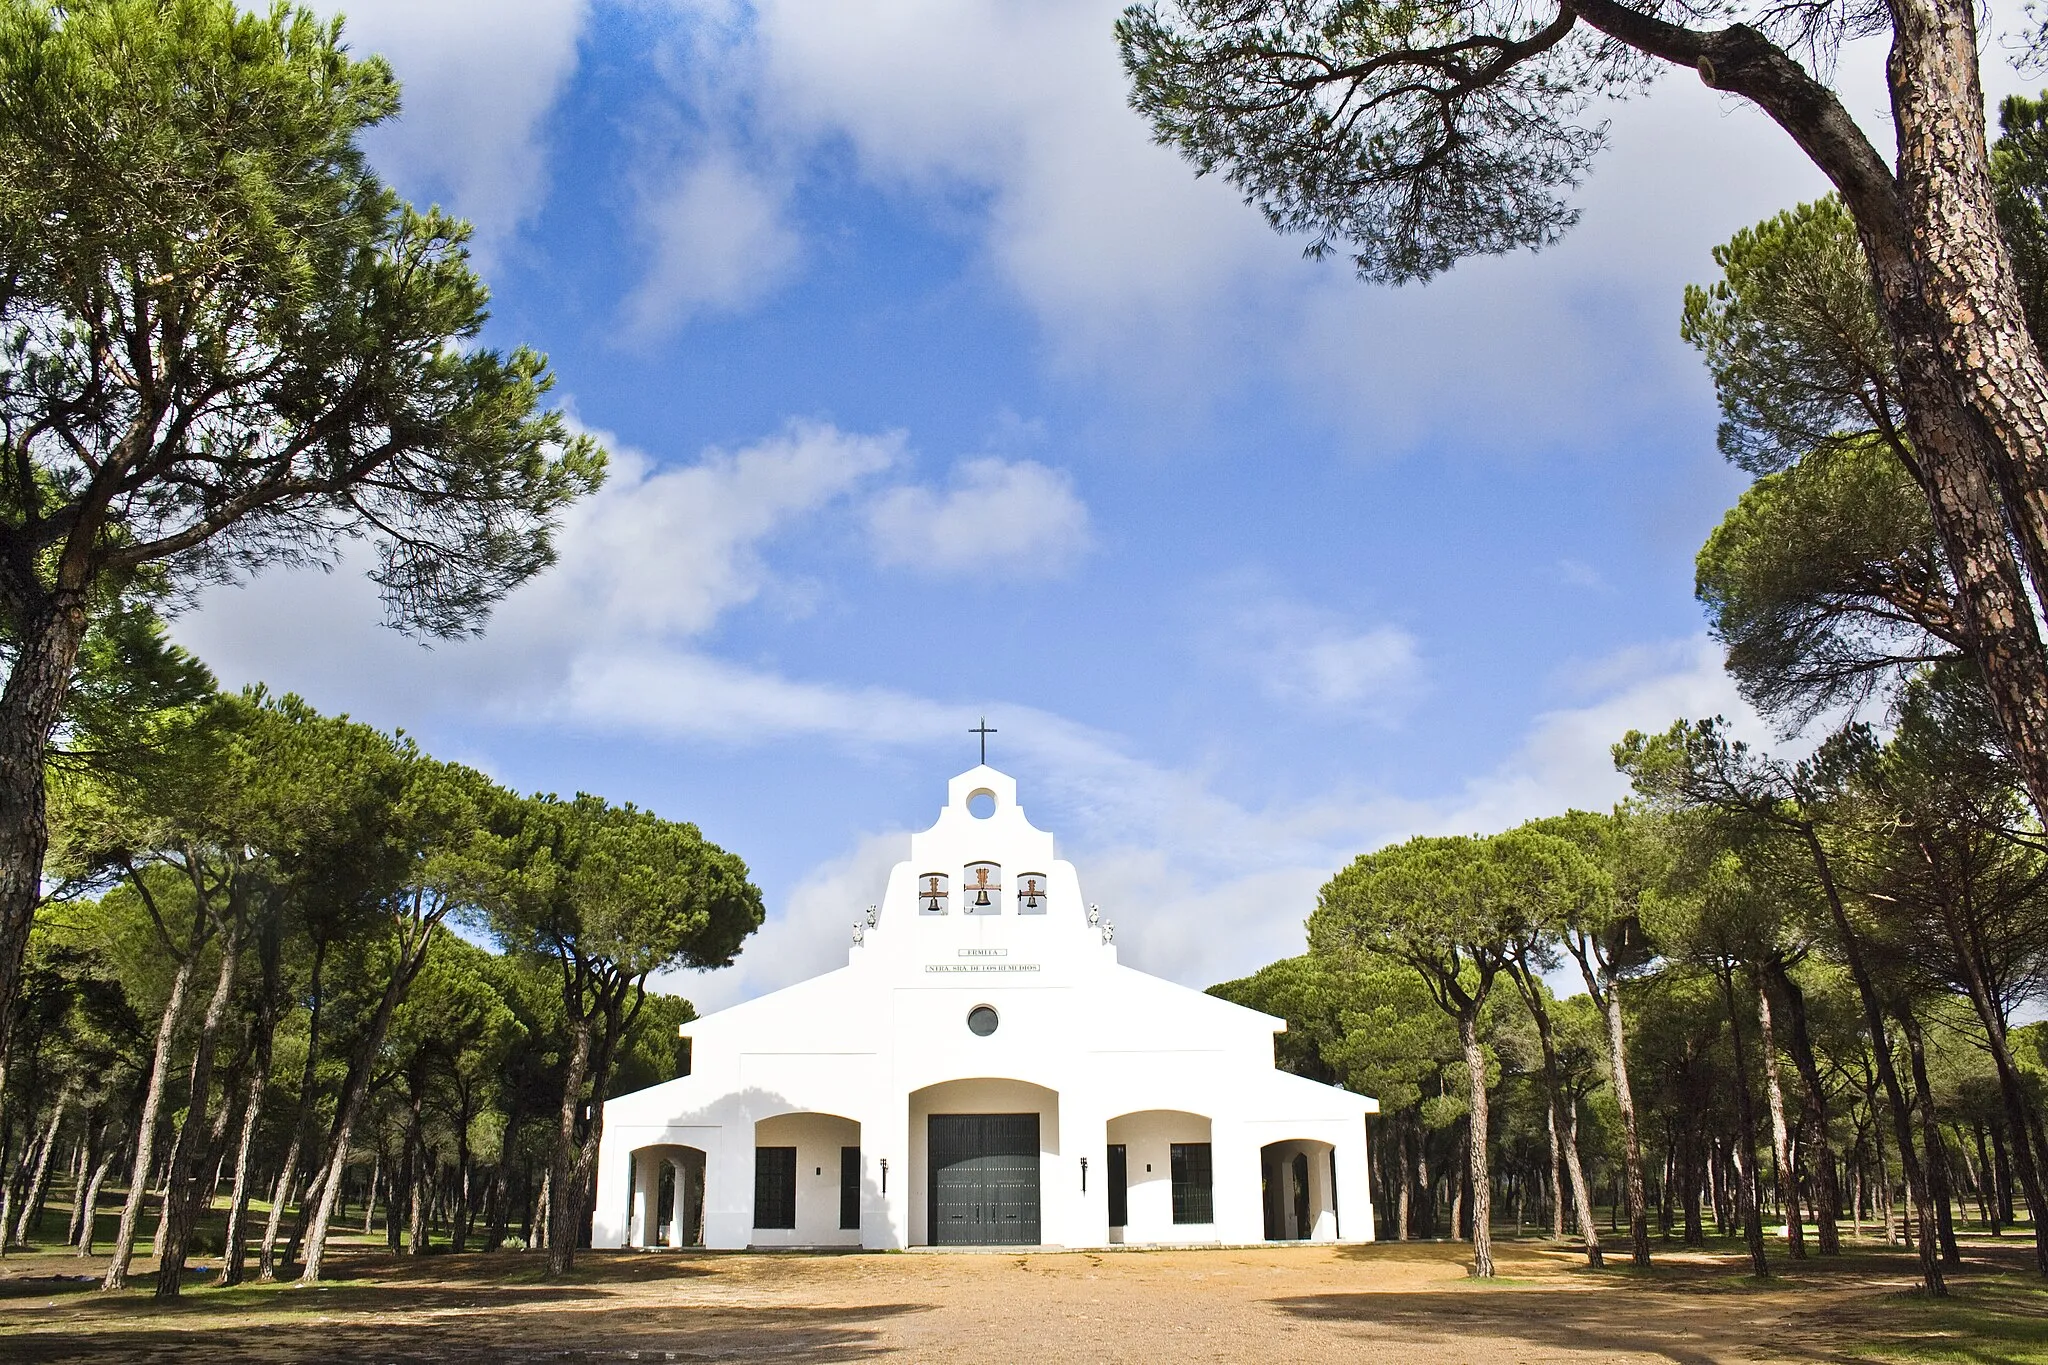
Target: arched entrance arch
(1162,1157)
(1299,1179)
(667,1197)
(808,1180)
(979,1152)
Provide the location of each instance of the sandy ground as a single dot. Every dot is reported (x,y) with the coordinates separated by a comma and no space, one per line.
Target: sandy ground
(1408,1304)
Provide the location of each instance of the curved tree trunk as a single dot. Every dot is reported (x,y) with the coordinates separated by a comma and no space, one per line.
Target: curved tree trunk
(234,1251)
(145,1126)
(39,1181)
(1606,993)
(1933,1153)
(1781,1136)
(92,1200)
(188,1187)
(1746,1191)
(1482,1188)
(1827,1197)
(37,681)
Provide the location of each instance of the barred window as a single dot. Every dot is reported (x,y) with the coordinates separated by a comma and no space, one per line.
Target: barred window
(1194,1195)
(775,1187)
(849,1187)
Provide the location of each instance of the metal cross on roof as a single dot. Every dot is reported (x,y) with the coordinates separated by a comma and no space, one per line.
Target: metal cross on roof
(984,731)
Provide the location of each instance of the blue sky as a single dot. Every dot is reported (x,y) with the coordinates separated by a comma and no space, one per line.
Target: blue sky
(934,390)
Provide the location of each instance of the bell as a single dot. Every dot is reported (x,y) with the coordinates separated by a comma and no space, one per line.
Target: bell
(981,896)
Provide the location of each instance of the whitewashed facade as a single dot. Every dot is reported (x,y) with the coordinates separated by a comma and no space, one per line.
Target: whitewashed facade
(983,1072)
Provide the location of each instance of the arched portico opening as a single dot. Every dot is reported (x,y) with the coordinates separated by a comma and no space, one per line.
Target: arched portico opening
(1299,1179)
(808,1181)
(667,1197)
(1161,1178)
(979,1151)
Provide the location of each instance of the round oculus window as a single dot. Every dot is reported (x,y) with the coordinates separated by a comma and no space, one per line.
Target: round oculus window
(982,1021)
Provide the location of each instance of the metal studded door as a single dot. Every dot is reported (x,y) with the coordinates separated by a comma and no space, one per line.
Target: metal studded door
(984,1179)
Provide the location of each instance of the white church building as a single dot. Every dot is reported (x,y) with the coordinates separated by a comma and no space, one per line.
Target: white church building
(983,1072)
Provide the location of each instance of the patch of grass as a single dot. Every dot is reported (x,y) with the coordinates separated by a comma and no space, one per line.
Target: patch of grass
(1989,1322)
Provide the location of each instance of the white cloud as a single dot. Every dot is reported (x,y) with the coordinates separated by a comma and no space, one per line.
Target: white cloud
(665,550)
(1015,517)
(1307,657)
(719,241)
(646,565)
(478,78)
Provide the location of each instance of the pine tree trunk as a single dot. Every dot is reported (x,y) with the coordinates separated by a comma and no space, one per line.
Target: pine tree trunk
(186,1189)
(1746,1185)
(234,1254)
(146,1123)
(355,1092)
(1935,1156)
(38,678)
(1781,1135)
(1482,1189)
(39,1181)
(86,1226)
(562,1169)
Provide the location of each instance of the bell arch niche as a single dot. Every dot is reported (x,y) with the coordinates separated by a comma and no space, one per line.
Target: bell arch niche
(981,889)
(933,892)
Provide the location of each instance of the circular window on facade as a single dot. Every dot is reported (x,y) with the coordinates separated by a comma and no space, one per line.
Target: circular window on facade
(981,1021)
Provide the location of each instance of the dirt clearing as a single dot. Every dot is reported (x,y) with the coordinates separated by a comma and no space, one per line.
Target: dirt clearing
(1408,1304)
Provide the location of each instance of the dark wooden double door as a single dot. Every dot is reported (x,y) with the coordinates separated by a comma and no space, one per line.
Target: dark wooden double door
(984,1179)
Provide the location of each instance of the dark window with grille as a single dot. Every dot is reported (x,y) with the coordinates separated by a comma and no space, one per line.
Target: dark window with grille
(849,1187)
(775,1187)
(1194,1195)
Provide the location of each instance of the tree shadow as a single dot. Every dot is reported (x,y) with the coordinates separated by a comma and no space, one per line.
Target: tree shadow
(400,1336)
(1683,1329)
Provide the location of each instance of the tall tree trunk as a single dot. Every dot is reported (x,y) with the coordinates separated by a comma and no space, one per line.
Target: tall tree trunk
(88,1157)
(1746,1185)
(1606,992)
(187,1188)
(418,1168)
(1827,1194)
(2012,1092)
(1564,1148)
(30,704)
(32,1202)
(288,1173)
(1482,1187)
(86,1226)
(1886,1074)
(146,1123)
(1402,1183)
(562,1168)
(355,1091)
(234,1251)
(1781,1136)
(1930,1133)
(1973,388)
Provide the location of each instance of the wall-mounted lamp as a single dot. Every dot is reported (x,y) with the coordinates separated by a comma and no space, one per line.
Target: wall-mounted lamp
(1084,1175)
(885,1175)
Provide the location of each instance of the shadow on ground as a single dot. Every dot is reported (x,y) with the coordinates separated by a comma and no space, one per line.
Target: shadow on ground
(811,1335)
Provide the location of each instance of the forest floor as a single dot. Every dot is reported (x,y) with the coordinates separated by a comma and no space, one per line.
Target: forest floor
(1409,1301)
